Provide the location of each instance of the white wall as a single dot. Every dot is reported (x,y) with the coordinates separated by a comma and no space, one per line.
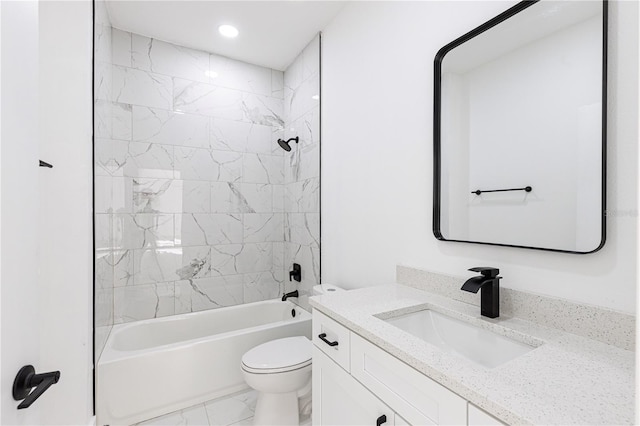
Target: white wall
(65,269)
(377,156)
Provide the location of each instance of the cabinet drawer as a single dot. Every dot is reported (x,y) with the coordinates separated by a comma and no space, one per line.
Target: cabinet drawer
(331,338)
(408,392)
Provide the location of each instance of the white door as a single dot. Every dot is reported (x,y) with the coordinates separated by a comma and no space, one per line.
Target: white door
(19,301)
(45,214)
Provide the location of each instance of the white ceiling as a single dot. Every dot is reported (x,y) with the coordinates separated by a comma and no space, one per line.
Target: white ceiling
(272,33)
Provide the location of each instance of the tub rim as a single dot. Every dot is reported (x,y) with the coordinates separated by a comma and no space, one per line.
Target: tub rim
(110,354)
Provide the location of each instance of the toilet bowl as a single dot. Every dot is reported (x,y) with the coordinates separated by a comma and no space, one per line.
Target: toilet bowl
(278,370)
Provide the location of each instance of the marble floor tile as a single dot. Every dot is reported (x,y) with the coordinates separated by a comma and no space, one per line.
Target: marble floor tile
(231,410)
(245,422)
(237,409)
(194,416)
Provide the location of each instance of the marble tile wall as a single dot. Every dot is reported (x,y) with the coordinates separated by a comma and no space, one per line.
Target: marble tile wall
(103,121)
(190,183)
(302,169)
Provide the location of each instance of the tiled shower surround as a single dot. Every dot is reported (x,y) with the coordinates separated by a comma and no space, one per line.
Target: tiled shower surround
(302,170)
(197,207)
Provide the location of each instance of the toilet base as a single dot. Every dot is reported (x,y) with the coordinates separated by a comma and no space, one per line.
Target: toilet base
(277,409)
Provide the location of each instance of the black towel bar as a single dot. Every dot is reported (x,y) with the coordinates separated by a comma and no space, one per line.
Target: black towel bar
(480,191)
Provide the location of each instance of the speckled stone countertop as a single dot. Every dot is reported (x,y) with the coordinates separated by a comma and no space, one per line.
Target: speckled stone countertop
(566,379)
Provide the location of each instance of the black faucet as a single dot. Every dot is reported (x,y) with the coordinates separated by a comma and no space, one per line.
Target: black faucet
(489,284)
(294,293)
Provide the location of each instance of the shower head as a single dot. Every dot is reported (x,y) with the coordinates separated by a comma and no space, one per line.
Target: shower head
(285,144)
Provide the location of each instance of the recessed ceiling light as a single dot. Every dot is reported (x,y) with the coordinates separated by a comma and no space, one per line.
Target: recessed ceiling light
(228,31)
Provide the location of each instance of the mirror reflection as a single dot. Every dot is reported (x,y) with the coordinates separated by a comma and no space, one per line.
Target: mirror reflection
(521,131)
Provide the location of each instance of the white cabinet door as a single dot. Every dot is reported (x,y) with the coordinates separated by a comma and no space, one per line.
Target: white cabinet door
(417,398)
(338,399)
(477,417)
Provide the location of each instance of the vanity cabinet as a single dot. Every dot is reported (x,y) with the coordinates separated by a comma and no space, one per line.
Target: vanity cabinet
(339,399)
(357,383)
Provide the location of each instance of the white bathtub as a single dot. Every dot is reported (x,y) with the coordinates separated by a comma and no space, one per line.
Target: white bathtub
(153,367)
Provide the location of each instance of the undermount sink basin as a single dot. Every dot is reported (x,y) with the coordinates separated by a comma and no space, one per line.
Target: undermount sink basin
(476,344)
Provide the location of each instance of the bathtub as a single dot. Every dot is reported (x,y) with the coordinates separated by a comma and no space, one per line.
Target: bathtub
(153,367)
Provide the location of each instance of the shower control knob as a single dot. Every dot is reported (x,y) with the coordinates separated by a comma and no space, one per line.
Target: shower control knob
(296,274)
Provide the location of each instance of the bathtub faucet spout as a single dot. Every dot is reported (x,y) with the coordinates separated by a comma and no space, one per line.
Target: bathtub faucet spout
(288,295)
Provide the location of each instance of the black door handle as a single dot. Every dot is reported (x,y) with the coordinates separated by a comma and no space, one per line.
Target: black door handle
(323,337)
(27,379)
(380,420)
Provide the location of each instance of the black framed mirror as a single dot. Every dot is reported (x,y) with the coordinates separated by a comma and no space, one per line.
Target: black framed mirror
(520,129)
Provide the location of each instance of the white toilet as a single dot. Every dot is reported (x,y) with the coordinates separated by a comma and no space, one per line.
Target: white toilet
(278,370)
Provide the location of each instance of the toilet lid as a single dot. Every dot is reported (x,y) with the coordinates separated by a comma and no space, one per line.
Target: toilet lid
(279,354)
